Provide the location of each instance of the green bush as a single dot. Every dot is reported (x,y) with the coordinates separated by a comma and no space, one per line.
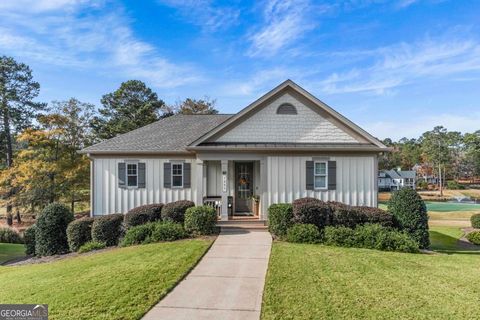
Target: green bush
(108,229)
(79,232)
(454,185)
(143,214)
(175,211)
(167,231)
(90,246)
(410,213)
(422,185)
(370,236)
(312,211)
(29,238)
(375,215)
(474,237)
(339,236)
(475,220)
(303,233)
(280,218)
(200,220)
(51,230)
(138,235)
(8,235)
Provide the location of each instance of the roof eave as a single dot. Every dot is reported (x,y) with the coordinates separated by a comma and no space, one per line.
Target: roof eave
(277,148)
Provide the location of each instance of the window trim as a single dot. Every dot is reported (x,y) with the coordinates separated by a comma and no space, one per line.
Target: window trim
(176,175)
(127,163)
(320,175)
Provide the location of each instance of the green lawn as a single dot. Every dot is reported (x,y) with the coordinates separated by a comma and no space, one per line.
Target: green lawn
(321,282)
(445,238)
(118,284)
(9,251)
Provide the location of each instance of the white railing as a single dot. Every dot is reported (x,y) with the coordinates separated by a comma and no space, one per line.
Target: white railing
(215,203)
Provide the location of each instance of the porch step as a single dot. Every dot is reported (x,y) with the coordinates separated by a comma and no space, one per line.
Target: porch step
(243,224)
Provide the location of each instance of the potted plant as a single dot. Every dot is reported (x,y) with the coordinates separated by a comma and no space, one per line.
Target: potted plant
(255,204)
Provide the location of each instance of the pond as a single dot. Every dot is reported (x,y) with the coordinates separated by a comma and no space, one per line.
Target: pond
(445,206)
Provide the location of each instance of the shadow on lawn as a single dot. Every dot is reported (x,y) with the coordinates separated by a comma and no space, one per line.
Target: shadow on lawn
(447,244)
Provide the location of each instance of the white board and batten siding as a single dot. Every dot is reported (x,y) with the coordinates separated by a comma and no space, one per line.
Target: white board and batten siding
(109,198)
(355,180)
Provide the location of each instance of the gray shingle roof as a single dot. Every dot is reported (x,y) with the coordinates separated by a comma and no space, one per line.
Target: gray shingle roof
(171,134)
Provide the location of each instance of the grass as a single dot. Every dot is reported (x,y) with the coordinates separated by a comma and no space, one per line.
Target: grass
(10,251)
(321,282)
(445,238)
(121,283)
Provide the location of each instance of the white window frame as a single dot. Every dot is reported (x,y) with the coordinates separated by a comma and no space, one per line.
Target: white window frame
(320,175)
(181,175)
(127,163)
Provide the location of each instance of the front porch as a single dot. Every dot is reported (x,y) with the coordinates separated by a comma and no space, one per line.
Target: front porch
(234,187)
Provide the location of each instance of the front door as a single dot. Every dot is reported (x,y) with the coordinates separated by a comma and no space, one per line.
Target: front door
(243,186)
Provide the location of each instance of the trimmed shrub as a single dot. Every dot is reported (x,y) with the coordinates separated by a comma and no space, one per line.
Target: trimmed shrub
(375,215)
(51,230)
(79,232)
(280,218)
(411,215)
(339,236)
(200,220)
(91,246)
(475,220)
(175,211)
(303,233)
(108,229)
(474,237)
(167,231)
(8,235)
(29,238)
(138,235)
(312,211)
(143,214)
(370,236)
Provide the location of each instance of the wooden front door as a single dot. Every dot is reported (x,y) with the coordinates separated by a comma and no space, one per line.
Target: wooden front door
(243,186)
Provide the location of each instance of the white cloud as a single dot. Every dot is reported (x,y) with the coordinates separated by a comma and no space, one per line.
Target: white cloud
(285,21)
(204,13)
(102,42)
(418,125)
(402,64)
(39,6)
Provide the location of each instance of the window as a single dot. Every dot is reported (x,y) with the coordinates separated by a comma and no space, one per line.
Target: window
(132,175)
(286,108)
(320,175)
(177,175)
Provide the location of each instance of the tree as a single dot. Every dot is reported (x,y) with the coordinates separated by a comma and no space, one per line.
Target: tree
(435,146)
(131,106)
(194,106)
(73,118)
(48,168)
(472,153)
(17,109)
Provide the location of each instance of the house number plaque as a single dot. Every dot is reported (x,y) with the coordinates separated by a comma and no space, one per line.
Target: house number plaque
(224,183)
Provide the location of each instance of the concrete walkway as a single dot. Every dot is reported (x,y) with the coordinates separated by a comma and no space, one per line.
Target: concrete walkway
(226,284)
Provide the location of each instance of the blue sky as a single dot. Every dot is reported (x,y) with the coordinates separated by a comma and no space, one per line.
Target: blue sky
(397,68)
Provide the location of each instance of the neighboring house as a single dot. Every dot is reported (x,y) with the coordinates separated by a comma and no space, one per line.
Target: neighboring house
(396,179)
(425,173)
(285,145)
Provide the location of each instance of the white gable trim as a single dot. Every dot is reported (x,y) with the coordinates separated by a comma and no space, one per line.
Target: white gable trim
(290,84)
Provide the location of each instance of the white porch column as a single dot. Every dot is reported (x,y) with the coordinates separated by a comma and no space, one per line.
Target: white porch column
(225,190)
(199,179)
(263,189)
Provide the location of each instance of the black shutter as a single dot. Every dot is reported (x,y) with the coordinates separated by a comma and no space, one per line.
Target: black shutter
(167,175)
(186,175)
(141,175)
(332,175)
(309,175)
(121,175)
